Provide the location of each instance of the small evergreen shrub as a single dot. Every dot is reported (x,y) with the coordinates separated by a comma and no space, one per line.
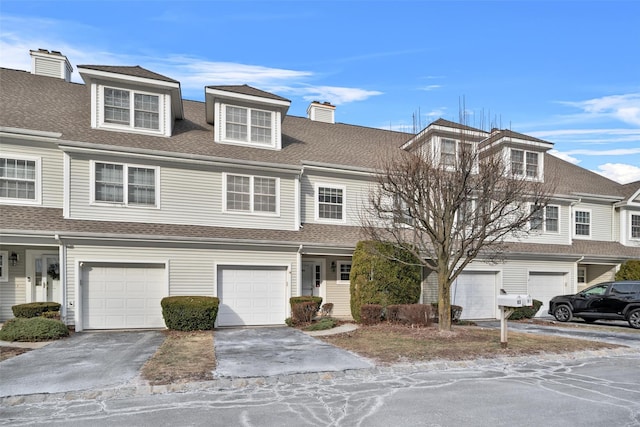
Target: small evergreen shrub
(371,314)
(630,270)
(384,274)
(322,324)
(33,329)
(410,314)
(526,312)
(304,312)
(190,313)
(34,309)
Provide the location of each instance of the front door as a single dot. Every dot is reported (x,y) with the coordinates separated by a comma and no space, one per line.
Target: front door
(311,278)
(46,278)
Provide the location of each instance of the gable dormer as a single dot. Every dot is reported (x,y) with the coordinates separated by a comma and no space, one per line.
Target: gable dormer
(132,99)
(244,115)
(523,154)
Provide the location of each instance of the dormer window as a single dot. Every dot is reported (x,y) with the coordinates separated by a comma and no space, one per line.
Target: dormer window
(248,125)
(131,109)
(451,151)
(525,163)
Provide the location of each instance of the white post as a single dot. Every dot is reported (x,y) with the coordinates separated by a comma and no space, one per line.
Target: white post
(505,313)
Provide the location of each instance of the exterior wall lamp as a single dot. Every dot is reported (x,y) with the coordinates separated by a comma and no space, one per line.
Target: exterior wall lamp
(13,259)
(333,266)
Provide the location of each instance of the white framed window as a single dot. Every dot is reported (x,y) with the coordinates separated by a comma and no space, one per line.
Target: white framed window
(330,203)
(635,226)
(343,270)
(251,194)
(132,110)
(4,271)
(451,151)
(582,275)
(582,223)
(248,125)
(124,184)
(525,163)
(20,180)
(547,219)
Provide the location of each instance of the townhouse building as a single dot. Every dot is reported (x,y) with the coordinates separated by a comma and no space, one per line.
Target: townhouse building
(117,192)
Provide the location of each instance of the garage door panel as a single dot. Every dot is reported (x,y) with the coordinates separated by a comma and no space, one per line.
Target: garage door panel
(115,297)
(475,292)
(251,295)
(544,286)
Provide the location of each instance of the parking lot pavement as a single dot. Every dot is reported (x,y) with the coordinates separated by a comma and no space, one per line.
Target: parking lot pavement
(86,360)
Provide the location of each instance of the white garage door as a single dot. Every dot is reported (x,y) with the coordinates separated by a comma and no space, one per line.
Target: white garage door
(251,295)
(475,292)
(544,286)
(117,296)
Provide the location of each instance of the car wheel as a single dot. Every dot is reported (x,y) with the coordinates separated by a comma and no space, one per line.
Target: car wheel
(562,313)
(634,318)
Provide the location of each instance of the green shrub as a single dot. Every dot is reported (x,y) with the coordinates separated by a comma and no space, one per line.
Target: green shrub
(371,314)
(34,309)
(33,329)
(190,313)
(322,324)
(383,274)
(526,312)
(630,270)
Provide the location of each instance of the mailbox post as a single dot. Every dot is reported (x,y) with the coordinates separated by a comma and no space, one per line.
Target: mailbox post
(507,304)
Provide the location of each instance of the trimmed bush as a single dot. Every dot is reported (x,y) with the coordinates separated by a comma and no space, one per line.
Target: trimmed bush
(630,270)
(371,314)
(190,313)
(303,312)
(409,314)
(33,329)
(456,312)
(383,274)
(526,312)
(34,309)
(297,300)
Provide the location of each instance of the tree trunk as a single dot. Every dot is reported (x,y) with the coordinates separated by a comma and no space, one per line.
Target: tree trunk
(444,303)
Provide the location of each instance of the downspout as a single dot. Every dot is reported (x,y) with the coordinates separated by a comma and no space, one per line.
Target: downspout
(62,254)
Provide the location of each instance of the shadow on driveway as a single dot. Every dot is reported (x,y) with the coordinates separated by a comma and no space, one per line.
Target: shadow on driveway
(86,360)
(258,352)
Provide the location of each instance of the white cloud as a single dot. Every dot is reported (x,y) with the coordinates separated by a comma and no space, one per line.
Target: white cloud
(334,94)
(625,108)
(431,87)
(611,152)
(564,156)
(620,172)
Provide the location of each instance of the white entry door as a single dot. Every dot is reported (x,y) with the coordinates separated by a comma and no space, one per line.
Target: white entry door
(251,295)
(44,276)
(544,286)
(475,292)
(311,278)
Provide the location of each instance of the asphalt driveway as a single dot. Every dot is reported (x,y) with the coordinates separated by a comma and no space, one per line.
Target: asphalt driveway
(258,352)
(86,360)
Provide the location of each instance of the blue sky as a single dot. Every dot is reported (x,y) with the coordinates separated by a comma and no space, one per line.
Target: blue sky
(564,71)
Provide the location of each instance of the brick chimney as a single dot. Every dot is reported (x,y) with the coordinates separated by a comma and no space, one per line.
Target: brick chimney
(50,64)
(321,112)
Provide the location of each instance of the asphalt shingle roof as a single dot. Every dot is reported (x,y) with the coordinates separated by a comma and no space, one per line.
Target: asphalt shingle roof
(134,71)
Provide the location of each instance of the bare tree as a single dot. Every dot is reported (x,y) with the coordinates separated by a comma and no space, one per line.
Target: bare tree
(452,206)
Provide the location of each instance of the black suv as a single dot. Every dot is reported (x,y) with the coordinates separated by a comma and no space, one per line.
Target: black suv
(609,300)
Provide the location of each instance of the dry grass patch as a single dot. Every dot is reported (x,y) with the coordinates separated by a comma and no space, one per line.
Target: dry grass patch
(388,344)
(182,357)
(9,352)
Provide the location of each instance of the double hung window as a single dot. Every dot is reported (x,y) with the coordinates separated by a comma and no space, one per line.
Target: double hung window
(251,194)
(546,219)
(525,163)
(330,203)
(19,179)
(583,223)
(635,226)
(248,125)
(125,184)
(132,109)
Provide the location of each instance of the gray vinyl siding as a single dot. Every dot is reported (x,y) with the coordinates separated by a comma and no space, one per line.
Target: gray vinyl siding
(338,293)
(190,195)
(598,273)
(51,168)
(191,270)
(601,220)
(515,273)
(13,291)
(357,190)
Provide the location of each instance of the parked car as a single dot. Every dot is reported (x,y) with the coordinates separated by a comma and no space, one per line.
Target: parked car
(610,300)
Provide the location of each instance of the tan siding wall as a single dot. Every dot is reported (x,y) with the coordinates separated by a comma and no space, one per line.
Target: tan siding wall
(14,291)
(357,195)
(338,293)
(191,271)
(599,273)
(196,190)
(51,163)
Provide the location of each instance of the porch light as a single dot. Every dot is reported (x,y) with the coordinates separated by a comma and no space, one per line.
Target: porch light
(333,266)
(13,259)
